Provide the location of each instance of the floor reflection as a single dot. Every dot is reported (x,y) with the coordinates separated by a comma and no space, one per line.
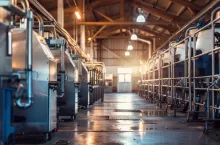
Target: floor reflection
(127,119)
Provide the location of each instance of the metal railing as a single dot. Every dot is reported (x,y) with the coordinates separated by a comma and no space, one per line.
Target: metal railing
(200,92)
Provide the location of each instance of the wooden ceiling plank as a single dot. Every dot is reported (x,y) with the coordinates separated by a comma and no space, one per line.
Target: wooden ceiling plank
(121,23)
(101,2)
(192,12)
(169,5)
(103,15)
(187,4)
(182,9)
(120,37)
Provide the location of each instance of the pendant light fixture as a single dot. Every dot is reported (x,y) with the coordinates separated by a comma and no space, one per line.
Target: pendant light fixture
(134,36)
(127,53)
(140,17)
(130,47)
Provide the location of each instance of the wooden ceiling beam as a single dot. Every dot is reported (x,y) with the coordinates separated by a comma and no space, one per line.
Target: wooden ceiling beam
(171,29)
(193,13)
(121,37)
(122,9)
(169,5)
(121,23)
(101,2)
(154,32)
(182,9)
(99,31)
(187,4)
(103,15)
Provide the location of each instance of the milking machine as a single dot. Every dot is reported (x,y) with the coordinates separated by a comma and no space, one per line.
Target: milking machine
(43,119)
(67,96)
(9,91)
(84,88)
(29,82)
(6,112)
(96,76)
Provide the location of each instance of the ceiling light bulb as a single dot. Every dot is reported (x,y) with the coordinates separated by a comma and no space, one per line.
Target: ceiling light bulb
(127,53)
(130,47)
(89,38)
(78,16)
(140,18)
(134,37)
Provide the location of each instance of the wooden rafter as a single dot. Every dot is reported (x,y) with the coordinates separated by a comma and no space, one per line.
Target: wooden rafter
(121,23)
(169,5)
(154,32)
(101,2)
(182,9)
(122,9)
(103,15)
(187,4)
(99,31)
(122,37)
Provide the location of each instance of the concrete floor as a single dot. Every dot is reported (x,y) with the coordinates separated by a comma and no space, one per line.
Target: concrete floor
(127,119)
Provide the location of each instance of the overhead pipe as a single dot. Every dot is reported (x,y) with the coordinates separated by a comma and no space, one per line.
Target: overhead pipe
(53,32)
(29,56)
(59,28)
(150,46)
(41,24)
(95,64)
(27,5)
(197,17)
(145,41)
(12,7)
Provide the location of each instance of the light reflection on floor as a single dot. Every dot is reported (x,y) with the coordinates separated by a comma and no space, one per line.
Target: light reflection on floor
(104,124)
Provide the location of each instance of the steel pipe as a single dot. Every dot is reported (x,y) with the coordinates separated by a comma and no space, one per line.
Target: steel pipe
(41,24)
(59,28)
(29,56)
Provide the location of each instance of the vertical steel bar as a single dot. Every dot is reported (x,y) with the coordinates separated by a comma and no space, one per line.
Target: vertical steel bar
(62,66)
(194,70)
(29,55)
(213,69)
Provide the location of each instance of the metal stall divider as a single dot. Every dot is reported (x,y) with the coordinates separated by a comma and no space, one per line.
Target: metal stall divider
(196,88)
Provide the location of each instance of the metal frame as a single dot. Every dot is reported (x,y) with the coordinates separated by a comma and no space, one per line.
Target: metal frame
(182,90)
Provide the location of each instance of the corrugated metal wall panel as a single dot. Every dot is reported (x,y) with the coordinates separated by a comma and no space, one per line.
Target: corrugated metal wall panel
(121,44)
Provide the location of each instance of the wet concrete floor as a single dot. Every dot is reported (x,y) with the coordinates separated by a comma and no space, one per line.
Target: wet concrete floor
(127,119)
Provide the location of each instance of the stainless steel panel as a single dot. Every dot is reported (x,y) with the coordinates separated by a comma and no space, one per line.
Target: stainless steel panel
(5,68)
(84,88)
(41,116)
(5,61)
(71,92)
